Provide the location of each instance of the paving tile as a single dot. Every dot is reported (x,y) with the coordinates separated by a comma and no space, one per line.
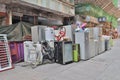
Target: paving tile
(102,67)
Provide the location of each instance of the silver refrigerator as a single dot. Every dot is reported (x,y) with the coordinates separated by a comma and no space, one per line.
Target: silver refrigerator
(101,45)
(101,42)
(96,34)
(63,52)
(38,33)
(92,43)
(69,32)
(83,38)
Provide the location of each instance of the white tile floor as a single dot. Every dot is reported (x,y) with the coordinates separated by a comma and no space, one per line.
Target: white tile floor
(103,67)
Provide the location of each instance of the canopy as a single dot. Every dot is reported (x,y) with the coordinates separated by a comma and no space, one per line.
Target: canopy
(92,10)
(17,32)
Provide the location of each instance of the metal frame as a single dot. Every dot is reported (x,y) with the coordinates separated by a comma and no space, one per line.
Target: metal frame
(5,57)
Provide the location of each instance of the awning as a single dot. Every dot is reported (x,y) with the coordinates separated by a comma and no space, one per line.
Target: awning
(107,5)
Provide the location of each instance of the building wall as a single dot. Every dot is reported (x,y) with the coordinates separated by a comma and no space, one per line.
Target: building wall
(64,6)
(4,19)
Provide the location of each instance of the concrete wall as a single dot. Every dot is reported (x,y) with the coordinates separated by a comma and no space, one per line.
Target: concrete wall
(56,5)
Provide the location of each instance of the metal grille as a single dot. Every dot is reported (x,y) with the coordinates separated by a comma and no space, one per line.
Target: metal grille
(5,58)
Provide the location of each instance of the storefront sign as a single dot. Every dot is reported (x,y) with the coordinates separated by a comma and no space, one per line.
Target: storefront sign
(101,19)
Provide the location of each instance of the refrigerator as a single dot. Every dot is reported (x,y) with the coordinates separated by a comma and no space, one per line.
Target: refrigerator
(49,34)
(87,44)
(101,45)
(63,52)
(38,33)
(92,42)
(99,41)
(97,37)
(107,44)
(32,52)
(92,48)
(76,52)
(96,47)
(96,33)
(82,38)
(69,32)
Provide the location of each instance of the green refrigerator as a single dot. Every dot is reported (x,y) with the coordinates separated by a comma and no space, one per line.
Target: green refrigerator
(76,52)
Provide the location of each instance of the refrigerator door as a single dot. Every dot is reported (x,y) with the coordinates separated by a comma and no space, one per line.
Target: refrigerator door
(76,52)
(107,45)
(91,48)
(35,33)
(69,32)
(96,47)
(96,33)
(100,32)
(80,39)
(91,36)
(87,45)
(67,54)
(41,33)
(27,45)
(101,45)
(58,52)
(49,34)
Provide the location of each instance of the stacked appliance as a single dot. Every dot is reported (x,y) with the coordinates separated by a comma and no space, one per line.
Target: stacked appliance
(63,52)
(42,34)
(38,33)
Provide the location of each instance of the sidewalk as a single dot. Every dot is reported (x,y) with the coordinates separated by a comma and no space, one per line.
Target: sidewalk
(103,67)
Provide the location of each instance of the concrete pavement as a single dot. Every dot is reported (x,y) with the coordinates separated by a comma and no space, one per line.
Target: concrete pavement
(103,67)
